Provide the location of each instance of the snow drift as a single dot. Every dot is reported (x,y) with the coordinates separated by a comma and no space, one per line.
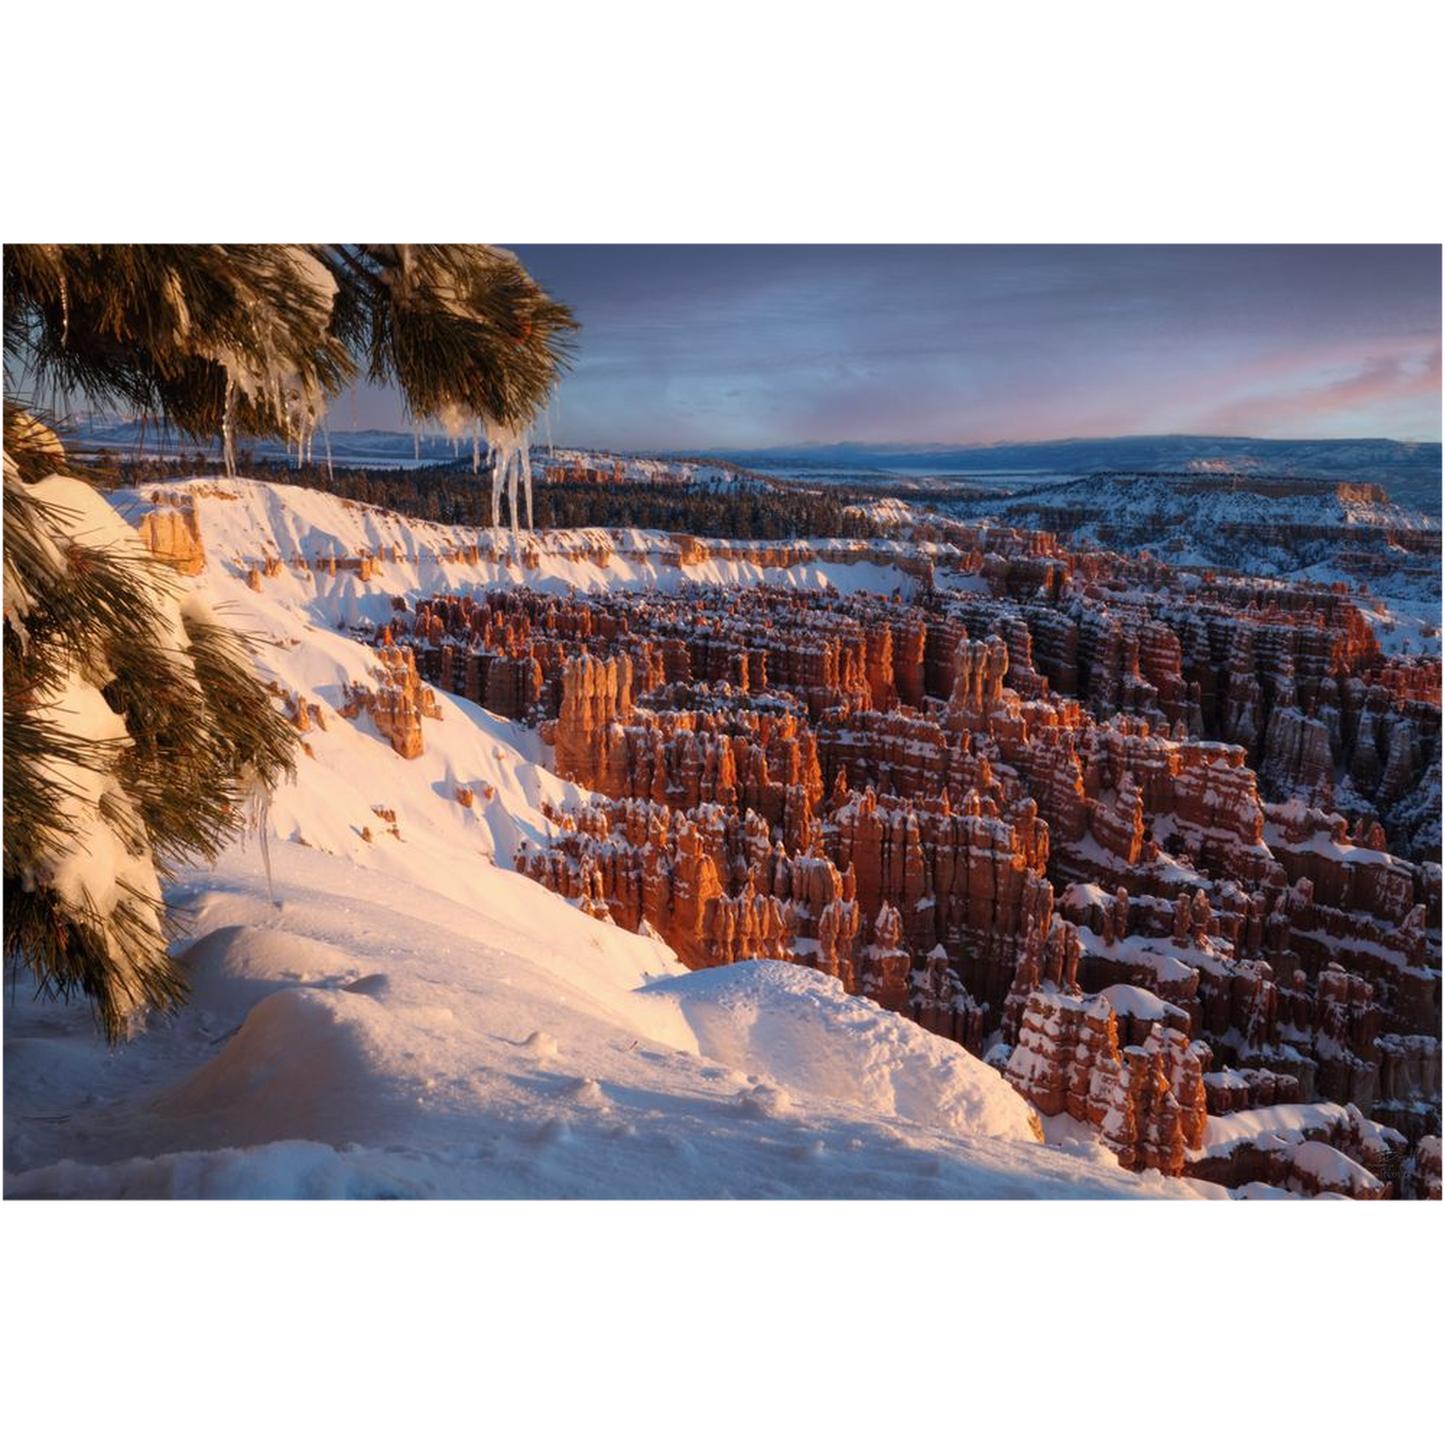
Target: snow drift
(815,1038)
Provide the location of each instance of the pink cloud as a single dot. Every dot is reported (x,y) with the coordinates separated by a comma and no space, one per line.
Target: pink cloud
(1378,385)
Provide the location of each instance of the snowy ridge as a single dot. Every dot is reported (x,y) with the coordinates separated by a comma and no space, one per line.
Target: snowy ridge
(404,1017)
(242,522)
(1148,500)
(1293,529)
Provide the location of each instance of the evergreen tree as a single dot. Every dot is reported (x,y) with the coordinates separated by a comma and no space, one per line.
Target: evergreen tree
(231,340)
(136,737)
(137,734)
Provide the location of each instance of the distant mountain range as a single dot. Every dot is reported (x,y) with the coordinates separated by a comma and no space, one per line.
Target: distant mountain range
(353,448)
(1410,471)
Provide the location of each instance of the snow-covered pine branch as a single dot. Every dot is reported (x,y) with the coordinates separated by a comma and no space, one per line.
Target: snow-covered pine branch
(136,733)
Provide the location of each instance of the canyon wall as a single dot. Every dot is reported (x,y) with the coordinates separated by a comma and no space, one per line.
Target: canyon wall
(1142,839)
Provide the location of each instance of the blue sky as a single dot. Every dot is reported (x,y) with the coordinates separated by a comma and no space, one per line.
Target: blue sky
(742,346)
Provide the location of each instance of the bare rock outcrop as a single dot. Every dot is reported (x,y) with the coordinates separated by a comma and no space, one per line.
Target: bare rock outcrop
(173,534)
(396,702)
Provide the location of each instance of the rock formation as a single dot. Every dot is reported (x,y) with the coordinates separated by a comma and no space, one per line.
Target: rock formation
(174,535)
(1209,777)
(397,702)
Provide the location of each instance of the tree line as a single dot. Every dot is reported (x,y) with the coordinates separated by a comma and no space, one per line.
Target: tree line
(455,496)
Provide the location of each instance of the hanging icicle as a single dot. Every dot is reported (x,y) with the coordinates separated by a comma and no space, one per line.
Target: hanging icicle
(496,460)
(514,463)
(263,371)
(527,464)
(228,427)
(507,448)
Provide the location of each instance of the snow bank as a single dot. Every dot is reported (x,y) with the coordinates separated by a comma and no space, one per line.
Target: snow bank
(360,1038)
(1335,1172)
(801,1028)
(298,1066)
(1227,1130)
(1139,1003)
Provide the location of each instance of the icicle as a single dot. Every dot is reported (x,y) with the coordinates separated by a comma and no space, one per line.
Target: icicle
(326,436)
(525,459)
(256,805)
(228,427)
(416,440)
(497,459)
(476,447)
(514,466)
(511,463)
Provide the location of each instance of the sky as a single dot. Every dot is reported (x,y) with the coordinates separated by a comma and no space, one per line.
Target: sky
(700,347)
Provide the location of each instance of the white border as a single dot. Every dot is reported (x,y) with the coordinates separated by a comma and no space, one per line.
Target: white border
(1122,122)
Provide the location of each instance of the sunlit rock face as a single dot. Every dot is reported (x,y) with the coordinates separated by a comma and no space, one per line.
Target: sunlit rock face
(395,699)
(1155,843)
(173,534)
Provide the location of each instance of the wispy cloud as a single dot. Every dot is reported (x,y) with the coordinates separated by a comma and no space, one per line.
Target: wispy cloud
(1393,386)
(753,345)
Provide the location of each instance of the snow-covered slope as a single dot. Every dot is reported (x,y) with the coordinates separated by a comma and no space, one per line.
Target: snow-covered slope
(298,621)
(362,1040)
(404,1018)
(241,522)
